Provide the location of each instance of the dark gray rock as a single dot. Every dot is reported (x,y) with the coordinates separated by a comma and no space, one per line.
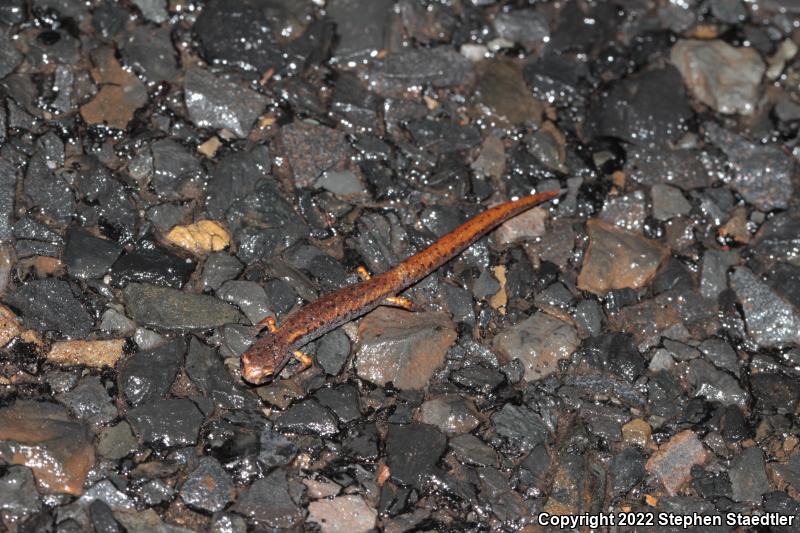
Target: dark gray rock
(267,502)
(149,263)
(523,26)
(775,392)
(342,400)
(682,168)
(238,34)
(18,495)
(275,449)
(206,369)
(748,476)
(49,304)
(102,518)
(156,492)
(249,297)
(218,103)
(87,256)
(219,268)
(770,320)
(167,423)
(361,28)
(721,354)
(441,137)
(234,177)
(8,190)
(715,385)
(313,149)
(520,425)
(208,487)
(173,309)
(472,450)
(478,378)
(333,349)
(763,172)
(153,10)
(650,107)
(9,55)
(308,418)
(627,470)
(89,401)
(115,442)
(176,172)
(150,53)
(148,375)
(438,66)
(412,452)
(714,276)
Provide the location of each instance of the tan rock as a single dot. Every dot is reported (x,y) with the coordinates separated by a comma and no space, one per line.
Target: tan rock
(343,513)
(201,237)
(637,432)
(9,325)
(618,259)
(523,227)
(90,353)
(120,96)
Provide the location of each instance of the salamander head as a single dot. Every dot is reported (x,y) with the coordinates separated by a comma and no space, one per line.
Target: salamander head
(264,360)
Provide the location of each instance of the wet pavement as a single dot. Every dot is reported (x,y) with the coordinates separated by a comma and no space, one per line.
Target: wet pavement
(172,172)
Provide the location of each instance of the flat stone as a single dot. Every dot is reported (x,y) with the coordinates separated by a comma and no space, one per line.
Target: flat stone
(764,174)
(438,66)
(313,149)
(748,476)
(207,370)
(115,442)
(174,422)
(148,374)
(520,425)
(527,27)
(402,348)
(149,263)
(267,502)
(8,189)
(89,401)
(343,513)
(361,28)
(308,418)
(714,276)
(501,88)
(49,304)
(45,438)
(173,309)
(87,256)
(719,75)
(540,342)
(627,211)
(119,97)
(248,296)
(218,103)
(452,414)
(208,486)
(668,202)
(18,495)
(472,450)
(771,321)
(153,10)
(219,268)
(715,385)
(342,400)
(149,51)
(524,227)
(412,452)
(672,462)
(333,349)
(617,259)
(96,354)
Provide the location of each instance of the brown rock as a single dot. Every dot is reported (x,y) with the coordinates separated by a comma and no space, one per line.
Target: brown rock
(501,88)
(540,342)
(43,437)
(9,325)
(312,149)
(401,347)
(637,432)
(90,353)
(618,259)
(524,227)
(672,462)
(120,96)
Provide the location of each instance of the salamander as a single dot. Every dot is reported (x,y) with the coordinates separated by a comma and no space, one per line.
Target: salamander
(270,353)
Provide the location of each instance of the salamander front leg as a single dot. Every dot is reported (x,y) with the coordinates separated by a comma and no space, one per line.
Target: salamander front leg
(399,301)
(363,273)
(269,323)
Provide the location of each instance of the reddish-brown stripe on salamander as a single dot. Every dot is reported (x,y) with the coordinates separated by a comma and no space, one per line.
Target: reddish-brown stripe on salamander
(270,353)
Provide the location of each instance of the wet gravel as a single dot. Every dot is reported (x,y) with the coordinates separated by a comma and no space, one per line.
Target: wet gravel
(172,172)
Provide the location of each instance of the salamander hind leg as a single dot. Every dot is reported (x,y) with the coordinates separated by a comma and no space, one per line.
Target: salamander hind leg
(363,273)
(305,360)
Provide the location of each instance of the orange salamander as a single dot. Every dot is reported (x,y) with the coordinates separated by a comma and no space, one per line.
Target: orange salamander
(270,353)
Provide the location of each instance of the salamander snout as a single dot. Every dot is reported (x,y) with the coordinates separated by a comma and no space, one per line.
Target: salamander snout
(263,360)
